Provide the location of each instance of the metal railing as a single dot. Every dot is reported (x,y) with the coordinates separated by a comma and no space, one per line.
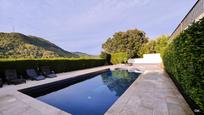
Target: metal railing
(196,12)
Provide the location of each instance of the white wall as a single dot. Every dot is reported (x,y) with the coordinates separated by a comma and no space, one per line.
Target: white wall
(147,58)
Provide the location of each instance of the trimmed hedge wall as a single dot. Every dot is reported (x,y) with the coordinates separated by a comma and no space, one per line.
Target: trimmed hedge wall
(184,60)
(118,58)
(58,65)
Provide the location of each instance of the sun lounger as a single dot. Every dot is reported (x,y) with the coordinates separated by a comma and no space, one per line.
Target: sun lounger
(12,78)
(33,75)
(47,73)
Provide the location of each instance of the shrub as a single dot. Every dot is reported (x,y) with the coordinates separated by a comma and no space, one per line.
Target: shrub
(118,58)
(184,59)
(58,65)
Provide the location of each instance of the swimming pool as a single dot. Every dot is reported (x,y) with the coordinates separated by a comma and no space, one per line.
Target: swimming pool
(92,96)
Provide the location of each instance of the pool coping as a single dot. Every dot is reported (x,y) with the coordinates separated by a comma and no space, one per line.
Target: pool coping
(60,84)
(137,101)
(121,98)
(22,104)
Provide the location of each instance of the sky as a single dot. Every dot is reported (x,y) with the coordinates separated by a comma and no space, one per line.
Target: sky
(84,25)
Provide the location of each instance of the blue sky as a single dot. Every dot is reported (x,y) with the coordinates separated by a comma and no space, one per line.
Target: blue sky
(83,25)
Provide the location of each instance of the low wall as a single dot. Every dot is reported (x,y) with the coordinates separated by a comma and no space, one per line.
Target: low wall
(147,59)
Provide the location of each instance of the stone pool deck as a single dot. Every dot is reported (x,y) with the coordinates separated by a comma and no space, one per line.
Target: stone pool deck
(13,102)
(153,93)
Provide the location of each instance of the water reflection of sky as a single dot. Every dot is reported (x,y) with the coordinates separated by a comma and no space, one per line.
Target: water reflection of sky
(93,96)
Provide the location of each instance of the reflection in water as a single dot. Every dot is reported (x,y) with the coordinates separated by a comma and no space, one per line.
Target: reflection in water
(119,80)
(93,96)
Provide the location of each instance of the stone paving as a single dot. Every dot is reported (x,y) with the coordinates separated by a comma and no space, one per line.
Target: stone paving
(153,93)
(13,102)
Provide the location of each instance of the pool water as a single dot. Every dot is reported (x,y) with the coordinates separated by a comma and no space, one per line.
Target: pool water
(93,96)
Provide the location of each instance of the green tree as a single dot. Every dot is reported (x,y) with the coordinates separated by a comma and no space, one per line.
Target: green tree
(106,56)
(129,42)
(154,46)
(161,43)
(149,47)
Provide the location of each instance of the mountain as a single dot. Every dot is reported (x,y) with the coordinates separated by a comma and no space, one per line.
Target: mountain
(81,54)
(17,45)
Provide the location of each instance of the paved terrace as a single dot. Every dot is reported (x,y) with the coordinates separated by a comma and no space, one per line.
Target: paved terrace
(153,93)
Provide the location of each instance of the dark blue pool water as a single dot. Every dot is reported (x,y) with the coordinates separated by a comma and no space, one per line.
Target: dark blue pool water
(93,96)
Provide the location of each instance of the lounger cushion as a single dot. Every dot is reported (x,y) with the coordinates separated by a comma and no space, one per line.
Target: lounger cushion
(46,71)
(51,75)
(40,77)
(33,75)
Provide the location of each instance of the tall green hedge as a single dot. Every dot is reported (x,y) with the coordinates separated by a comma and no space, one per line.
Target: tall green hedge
(58,65)
(117,58)
(184,59)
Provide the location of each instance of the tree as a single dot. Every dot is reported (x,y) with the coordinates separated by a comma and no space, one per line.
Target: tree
(154,46)
(161,43)
(149,47)
(106,56)
(129,42)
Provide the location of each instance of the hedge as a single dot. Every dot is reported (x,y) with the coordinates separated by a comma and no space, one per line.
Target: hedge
(58,65)
(184,60)
(117,58)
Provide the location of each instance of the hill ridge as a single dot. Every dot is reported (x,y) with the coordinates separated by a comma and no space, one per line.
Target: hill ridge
(18,45)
